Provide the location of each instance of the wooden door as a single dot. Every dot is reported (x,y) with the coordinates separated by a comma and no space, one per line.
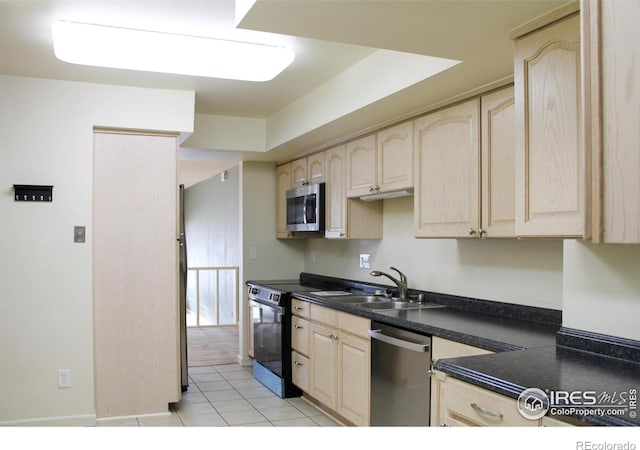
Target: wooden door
(322,353)
(498,165)
(447,158)
(354,376)
(335,195)
(551,176)
(395,157)
(315,168)
(135,274)
(360,166)
(299,172)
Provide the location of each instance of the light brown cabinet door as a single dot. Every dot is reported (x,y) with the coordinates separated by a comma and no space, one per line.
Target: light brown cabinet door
(360,166)
(284,178)
(299,172)
(551,176)
(315,168)
(335,193)
(447,172)
(135,274)
(395,157)
(354,375)
(300,370)
(498,166)
(323,356)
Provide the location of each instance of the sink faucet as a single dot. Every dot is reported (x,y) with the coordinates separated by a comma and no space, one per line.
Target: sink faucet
(401,283)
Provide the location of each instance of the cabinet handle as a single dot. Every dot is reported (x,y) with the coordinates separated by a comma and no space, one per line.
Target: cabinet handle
(482,232)
(298,327)
(472,231)
(370,188)
(298,308)
(444,425)
(297,363)
(486,412)
(341,234)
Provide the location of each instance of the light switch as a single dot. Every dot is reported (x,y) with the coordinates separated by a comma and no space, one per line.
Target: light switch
(79,234)
(253,253)
(364,261)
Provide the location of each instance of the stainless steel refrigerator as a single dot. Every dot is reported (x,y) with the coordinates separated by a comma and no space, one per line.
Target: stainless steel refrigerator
(183,292)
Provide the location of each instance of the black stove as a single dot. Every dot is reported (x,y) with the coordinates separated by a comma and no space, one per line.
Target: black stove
(271,321)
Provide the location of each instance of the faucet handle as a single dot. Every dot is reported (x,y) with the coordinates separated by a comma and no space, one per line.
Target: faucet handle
(403,277)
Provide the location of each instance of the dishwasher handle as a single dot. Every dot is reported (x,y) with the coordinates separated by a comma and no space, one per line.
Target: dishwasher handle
(407,345)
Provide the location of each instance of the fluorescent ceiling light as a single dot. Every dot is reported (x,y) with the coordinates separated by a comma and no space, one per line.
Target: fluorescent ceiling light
(152,51)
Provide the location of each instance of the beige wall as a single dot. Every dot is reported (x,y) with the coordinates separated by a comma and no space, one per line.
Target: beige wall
(509,270)
(601,288)
(45,278)
(276,259)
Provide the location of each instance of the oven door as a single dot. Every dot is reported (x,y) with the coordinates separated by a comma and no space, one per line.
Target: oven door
(267,335)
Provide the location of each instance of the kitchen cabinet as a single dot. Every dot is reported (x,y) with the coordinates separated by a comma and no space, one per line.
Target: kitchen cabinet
(613,89)
(497,210)
(380,162)
(284,182)
(447,152)
(445,348)
(347,218)
(552,165)
(361,166)
(465,169)
(463,404)
(335,371)
(395,157)
(308,170)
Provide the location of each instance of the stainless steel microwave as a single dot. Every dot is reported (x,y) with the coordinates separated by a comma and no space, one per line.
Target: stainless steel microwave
(305,208)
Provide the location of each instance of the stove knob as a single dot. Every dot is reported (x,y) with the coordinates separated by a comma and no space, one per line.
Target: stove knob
(254,290)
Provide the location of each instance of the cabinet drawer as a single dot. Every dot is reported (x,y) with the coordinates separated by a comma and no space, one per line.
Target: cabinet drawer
(324,315)
(356,325)
(300,308)
(472,405)
(300,335)
(444,348)
(300,370)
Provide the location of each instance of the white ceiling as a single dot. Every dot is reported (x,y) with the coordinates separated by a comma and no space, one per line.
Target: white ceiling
(328,37)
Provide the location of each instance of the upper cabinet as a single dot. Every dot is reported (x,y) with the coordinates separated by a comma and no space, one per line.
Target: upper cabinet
(447,172)
(308,170)
(361,167)
(284,182)
(552,171)
(395,157)
(497,112)
(347,218)
(614,94)
(381,162)
(465,169)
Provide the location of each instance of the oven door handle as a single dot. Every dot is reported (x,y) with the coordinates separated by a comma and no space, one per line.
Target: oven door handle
(413,346)
(278,309)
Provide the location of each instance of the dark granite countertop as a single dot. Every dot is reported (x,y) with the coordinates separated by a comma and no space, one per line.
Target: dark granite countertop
(554,368)
(533,350)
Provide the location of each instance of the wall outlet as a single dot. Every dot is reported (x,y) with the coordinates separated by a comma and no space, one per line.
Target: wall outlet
(364,261)
(64,378)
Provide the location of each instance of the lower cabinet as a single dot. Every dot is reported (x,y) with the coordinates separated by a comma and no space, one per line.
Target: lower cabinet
(463,404)
(335,370)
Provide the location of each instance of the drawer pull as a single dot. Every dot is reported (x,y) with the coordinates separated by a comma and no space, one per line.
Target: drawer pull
(298,308)
(298,327)
(297,363)
(486,412)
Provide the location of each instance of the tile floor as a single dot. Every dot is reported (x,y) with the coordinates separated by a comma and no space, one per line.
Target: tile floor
(228,395)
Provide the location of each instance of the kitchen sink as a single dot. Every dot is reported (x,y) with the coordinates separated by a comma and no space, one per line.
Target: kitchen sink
(354,298)
(396,304)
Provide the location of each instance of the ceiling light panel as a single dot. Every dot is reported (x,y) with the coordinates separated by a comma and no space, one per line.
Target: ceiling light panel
(152,51)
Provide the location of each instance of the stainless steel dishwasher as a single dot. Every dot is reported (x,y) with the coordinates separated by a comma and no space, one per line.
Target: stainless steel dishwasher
(400,382)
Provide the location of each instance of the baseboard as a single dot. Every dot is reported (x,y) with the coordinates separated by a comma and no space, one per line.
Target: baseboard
(88,420)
